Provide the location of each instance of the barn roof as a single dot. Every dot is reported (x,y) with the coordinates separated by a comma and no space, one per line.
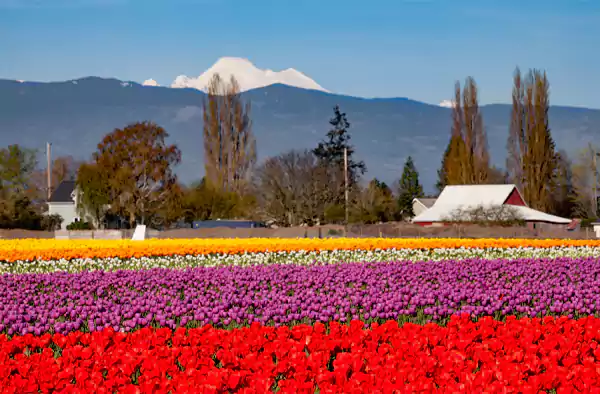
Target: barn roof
(465,197)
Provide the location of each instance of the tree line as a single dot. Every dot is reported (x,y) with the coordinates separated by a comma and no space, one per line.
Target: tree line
(131,175)
(547,178)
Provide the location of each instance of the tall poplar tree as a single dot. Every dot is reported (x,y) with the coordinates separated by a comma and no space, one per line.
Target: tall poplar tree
(475,137)
(532,158)
(466,159)
(229,143)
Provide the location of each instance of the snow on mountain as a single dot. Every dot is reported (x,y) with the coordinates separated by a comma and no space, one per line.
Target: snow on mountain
(248,76)
(150,82)
(447,103)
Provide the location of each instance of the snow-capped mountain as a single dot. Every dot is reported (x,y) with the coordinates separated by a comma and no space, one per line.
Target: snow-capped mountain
(248,76)
(447,103)
(150,82)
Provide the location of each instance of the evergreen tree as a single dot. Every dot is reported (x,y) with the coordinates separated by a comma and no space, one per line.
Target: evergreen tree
(409,188)
(331,151)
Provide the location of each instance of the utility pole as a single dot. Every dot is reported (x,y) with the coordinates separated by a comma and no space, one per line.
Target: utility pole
(48,170)
(346,181)
(595,182)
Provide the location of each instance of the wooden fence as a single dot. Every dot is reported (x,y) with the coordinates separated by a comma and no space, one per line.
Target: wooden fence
(387,230)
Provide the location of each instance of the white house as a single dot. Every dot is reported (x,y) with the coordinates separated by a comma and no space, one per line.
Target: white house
(64,203)
(466,197)
(420,205)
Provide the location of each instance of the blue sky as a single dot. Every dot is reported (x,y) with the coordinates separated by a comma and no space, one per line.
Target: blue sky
(406,48)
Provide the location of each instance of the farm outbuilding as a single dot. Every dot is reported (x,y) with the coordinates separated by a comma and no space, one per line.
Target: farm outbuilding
(422,204)
(63,202)
(462,198)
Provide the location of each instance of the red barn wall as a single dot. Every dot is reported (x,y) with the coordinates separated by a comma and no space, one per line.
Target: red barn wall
(514,198)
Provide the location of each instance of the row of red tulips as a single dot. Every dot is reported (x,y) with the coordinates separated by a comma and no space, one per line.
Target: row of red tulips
(526,355)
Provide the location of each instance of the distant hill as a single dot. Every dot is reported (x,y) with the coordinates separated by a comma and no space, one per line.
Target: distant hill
(75,115)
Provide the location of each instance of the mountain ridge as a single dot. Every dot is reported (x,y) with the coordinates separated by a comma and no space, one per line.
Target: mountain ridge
(75,116)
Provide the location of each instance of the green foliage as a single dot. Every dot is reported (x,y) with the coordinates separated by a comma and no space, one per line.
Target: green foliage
(79,225)
(409,189)
(204,202)
(335,213)
(587,222)
(375,204)
(92,192)
(20,213)
(17,209)
(16,167)
(335,233)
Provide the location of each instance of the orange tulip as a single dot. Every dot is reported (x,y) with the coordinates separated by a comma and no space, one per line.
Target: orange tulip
(35,249)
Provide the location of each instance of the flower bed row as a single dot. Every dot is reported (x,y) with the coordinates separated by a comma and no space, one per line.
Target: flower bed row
(30,250)
(289,294)
(528,356)
(302,258)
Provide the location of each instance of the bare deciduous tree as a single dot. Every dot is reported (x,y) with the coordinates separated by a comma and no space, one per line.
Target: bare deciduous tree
(488,215)
(229,144)
(290,188)
(583,182)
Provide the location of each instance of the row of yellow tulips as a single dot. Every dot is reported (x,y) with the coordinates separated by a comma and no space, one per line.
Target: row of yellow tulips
(34,249)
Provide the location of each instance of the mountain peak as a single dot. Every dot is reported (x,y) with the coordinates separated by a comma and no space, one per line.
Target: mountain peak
(248,76)
(150,82)
(230,61)
(447,103)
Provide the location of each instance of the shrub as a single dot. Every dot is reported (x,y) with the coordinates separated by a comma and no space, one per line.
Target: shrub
(79,225)
(335,233)
(499,215)
(51,222)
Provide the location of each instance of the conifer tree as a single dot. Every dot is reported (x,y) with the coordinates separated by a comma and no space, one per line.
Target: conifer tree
(331,151)
(409,189)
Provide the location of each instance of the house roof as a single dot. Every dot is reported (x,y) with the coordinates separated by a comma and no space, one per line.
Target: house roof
(426,202)
(63,192)
(465,197)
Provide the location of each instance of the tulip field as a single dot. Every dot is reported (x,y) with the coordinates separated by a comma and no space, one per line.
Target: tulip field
(300,316)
